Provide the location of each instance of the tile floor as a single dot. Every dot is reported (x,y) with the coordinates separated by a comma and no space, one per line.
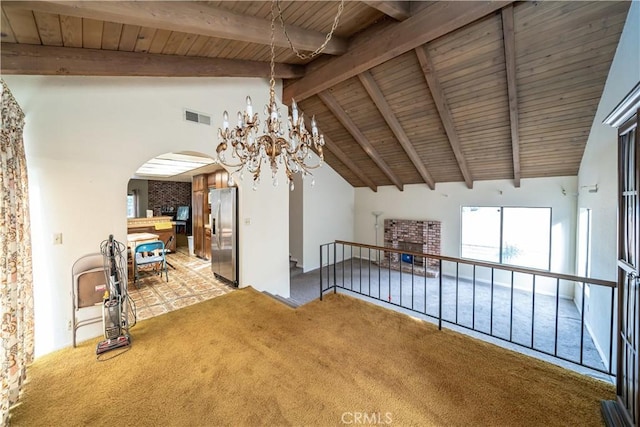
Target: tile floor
(189,283)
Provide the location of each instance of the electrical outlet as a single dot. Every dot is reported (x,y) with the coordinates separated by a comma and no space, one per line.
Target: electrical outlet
(69,325)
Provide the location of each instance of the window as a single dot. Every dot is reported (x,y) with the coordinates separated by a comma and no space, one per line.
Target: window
(505,235)
(481,233)
(132,205)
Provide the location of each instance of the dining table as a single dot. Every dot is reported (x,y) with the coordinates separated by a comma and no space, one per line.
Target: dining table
(135,239)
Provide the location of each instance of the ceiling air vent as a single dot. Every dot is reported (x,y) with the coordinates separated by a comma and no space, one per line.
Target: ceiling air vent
(192,116)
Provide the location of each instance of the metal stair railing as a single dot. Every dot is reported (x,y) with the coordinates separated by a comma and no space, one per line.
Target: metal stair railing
(559,315)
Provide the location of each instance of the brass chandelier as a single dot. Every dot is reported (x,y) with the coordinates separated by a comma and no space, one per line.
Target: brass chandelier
(249,149)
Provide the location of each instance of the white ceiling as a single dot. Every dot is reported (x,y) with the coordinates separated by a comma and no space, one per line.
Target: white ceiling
(179,158)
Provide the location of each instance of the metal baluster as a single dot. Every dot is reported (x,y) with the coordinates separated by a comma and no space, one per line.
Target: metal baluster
(457,287)
(351,251)
(335,262)
(379,275)
(511,312)
(533,309)
(412,278)
(321,273)
(400,264)
(584,286)
(343,266)
(389,268)
(440,296)
(473,301)
(491,308)
(425,288)
(555,349)
(369,272)
(360,271)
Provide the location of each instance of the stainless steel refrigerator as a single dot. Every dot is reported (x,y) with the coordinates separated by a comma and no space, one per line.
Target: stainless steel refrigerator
(224,234)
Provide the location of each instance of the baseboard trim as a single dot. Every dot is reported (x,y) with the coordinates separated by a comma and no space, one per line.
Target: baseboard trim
(286,301)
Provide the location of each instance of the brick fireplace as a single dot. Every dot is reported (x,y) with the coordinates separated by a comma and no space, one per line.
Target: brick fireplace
(421,236)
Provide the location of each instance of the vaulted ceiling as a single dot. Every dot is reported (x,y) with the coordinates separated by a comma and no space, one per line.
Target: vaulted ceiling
(405,92)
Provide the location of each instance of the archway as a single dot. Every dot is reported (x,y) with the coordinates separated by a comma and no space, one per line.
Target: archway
(162,202)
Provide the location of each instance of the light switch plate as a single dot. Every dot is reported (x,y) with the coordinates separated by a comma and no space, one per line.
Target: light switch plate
(57,238)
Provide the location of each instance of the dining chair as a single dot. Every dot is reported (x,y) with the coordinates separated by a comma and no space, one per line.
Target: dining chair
(150,254)
(167,250)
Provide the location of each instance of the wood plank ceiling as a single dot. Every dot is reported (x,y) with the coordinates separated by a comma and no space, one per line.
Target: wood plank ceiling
(405,92)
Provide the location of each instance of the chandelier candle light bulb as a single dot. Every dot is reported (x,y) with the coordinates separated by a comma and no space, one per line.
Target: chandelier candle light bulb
(293,150)
(225,120)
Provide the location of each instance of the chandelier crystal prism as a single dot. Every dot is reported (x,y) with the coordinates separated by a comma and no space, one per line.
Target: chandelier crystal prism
(290,148)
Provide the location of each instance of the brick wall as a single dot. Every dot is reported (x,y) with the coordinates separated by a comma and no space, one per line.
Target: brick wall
(412,235)
(168,195)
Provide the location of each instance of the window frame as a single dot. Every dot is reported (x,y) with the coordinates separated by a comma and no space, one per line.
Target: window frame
(501,234)
(134,195)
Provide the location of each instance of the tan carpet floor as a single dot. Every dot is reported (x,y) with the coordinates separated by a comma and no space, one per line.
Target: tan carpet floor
(246,359)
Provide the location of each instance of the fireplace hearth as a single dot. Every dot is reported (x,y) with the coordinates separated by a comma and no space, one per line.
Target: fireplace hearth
(412,236)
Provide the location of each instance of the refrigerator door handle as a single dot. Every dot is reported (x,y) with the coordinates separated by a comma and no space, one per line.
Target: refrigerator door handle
(218,216)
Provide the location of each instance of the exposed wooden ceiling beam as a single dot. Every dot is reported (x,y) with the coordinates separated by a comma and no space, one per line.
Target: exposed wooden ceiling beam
(335,149)
(192,17)
(346,160)
(430,23)
(417,6)
(351,127)
(512,90)
(385,110)
(50,60)
(398,10)
(444,111)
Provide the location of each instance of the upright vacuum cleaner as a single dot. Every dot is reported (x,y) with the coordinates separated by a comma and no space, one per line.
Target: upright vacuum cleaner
(115,304)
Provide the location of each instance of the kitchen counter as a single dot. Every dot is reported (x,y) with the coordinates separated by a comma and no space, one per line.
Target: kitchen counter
(147,222)
(148,225)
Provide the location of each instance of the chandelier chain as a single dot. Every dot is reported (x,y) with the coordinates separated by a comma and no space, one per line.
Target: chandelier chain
(249,149)
(272,79)
(319,50)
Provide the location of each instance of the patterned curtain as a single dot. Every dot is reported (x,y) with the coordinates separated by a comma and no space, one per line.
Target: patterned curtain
(16,279)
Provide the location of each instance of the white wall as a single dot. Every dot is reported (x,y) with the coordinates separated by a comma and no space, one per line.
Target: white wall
(600,166)
(600,161)
(328,213)
(264,237)
(296,227)
(84,139)
(443,204)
